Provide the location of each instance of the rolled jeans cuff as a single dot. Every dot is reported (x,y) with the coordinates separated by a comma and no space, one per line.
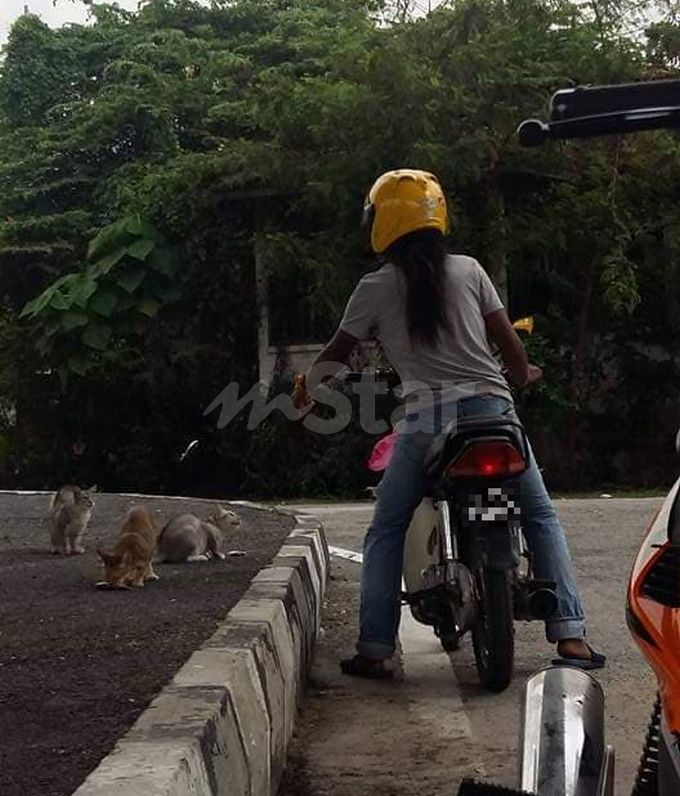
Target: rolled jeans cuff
(375,650)
(559,629)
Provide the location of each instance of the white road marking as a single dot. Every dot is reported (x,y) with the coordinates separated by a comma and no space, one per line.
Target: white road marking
(333,509)
(26,492)
(349,555)
(426,667)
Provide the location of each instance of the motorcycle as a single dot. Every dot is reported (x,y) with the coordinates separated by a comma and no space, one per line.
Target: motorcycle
(466,565)
(562,739)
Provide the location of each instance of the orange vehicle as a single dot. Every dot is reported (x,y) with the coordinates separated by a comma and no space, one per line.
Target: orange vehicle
(563,751)
(653,614)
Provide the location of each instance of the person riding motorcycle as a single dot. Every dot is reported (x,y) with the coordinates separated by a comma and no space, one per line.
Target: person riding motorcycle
(433,313)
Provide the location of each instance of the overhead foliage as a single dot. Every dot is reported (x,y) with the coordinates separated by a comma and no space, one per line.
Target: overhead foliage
(140,154)
(86,315)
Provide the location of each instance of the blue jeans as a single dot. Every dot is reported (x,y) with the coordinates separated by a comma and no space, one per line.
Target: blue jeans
(402,488)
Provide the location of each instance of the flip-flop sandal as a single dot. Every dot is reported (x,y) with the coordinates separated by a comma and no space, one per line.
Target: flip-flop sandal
(596,660)
(360,667)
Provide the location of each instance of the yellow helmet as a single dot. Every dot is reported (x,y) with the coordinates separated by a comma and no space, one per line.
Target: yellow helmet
(403,201)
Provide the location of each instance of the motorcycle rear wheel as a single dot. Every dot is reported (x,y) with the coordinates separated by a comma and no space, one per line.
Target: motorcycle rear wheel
(493,636)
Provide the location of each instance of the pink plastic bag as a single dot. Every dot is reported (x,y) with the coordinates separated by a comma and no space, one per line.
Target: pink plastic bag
(382,452)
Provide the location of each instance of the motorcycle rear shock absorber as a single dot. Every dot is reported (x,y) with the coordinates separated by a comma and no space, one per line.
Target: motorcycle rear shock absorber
(647,779)
(471,787)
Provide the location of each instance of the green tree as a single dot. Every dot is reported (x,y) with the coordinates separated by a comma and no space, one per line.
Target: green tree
(140,155)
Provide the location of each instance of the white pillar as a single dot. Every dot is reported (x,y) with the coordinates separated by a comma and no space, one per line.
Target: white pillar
(261,296)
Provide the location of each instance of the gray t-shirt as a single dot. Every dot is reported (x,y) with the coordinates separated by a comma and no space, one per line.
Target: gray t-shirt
(461,362)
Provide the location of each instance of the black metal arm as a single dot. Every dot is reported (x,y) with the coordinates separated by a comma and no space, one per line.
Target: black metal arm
(606,110)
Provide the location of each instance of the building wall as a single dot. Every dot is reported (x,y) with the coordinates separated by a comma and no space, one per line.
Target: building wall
(287,360)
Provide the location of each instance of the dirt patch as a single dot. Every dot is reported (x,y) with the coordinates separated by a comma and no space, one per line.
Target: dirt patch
(78,666)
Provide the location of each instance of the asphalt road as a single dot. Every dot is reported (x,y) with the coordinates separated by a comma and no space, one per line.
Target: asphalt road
(425,731)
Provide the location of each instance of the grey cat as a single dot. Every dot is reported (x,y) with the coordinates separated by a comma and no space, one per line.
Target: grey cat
(188,538)
(70,511)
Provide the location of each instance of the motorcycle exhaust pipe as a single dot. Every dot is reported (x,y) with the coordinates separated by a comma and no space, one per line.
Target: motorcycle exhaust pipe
(562,742)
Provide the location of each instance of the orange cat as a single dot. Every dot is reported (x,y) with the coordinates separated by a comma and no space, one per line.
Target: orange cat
(129,563)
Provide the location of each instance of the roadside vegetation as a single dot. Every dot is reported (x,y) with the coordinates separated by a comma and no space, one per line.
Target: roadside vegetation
(139,156)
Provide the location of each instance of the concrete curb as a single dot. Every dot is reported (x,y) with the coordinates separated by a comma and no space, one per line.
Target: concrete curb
(223,724)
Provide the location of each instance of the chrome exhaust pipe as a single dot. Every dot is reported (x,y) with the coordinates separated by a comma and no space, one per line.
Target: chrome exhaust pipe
(562,742)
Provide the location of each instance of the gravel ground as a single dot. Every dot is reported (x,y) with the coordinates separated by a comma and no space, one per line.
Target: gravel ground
(78,666)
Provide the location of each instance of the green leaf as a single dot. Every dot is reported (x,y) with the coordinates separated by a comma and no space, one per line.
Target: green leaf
(165,260)
(79,364)
(53,327)
(168,293)
(37,305)
(134,225)
(83,291)
(106,263)
(141,249)
(126,325)
(125,303)
(44,345)
(131,280)
(103,302)
(60,301)
(97,336)
(73,320)
(111,237)
(149,307)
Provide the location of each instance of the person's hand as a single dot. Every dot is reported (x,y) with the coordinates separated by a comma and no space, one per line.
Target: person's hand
(535,375)
(301,397)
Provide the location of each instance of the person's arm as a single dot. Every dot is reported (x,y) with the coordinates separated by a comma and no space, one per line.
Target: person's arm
(356,324)
(500,330)
(512,351)
(338,348)
(335,353)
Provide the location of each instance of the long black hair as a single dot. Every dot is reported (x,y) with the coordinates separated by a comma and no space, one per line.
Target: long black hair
(421,256)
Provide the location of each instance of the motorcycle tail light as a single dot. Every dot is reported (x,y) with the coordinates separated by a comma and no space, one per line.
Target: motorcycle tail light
(487,459)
